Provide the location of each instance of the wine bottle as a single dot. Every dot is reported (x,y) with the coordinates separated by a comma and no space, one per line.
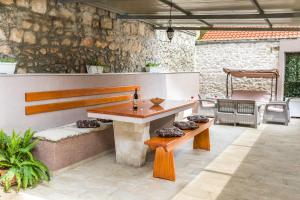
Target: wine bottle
(135,100)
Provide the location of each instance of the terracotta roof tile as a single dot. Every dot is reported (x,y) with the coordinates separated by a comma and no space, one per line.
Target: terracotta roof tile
(247,35)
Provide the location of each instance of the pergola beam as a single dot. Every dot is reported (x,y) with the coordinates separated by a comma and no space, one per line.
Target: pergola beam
(230,28)
(261,11)
(235,16)
(188,13)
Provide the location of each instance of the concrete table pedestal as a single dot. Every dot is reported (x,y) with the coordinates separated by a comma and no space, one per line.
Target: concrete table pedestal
(129,142)
(129,138)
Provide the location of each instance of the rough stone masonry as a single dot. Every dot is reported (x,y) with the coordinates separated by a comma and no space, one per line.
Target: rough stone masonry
(212,57)
(47,36)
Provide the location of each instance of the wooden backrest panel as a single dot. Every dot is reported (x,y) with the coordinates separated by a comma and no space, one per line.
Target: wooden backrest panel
(51,107)
(59,94)
(71,104)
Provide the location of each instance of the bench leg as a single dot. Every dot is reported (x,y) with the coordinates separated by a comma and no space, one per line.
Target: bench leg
(164,164)
(202,141)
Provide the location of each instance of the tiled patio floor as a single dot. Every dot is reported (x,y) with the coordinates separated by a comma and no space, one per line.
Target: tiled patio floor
(102,178)
(244,164)
(262,165)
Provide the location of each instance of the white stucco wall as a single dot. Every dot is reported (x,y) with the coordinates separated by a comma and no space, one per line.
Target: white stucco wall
(14,87)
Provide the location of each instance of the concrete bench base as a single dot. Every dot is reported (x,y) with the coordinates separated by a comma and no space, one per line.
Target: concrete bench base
(67,151)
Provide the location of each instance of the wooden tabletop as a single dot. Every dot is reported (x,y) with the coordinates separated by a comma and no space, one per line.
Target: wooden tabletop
(145,108)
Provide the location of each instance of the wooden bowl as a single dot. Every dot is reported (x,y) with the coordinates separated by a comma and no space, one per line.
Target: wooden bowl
(157,101)
(156,108)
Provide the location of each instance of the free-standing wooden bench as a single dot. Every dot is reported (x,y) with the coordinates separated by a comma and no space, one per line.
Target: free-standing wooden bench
(164,149)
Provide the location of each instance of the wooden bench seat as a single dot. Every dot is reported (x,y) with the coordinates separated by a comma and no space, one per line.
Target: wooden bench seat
(65,145)
(164,149)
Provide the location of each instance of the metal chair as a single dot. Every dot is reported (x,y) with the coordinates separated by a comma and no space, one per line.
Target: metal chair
(207,107)
(278,112)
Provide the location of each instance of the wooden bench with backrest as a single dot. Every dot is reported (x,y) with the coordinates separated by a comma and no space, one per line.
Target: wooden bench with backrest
(65,145)
(164,149)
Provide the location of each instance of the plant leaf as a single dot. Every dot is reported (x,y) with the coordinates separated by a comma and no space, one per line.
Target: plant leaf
(29,147)
(19,180)
(25,177)
(4,164)
(2,157)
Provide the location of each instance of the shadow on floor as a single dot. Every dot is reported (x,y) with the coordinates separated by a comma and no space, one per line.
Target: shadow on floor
(271,169)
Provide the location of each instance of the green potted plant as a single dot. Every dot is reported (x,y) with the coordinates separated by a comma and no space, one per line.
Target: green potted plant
(17,164)
(106,68)
(8,65)
(96,67)
(151,67)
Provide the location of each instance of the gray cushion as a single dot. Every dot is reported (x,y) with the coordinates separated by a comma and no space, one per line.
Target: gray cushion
(198,118)
(169,132)
(87,124)
(189,125)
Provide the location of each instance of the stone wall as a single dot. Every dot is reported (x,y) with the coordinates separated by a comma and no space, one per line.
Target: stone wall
(211,58)
(50,37)
(177,55)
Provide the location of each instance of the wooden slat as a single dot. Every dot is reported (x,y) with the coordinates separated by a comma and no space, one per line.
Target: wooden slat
(36,109)
(59,94)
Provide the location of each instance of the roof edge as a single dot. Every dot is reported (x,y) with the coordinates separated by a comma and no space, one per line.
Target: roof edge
(199,42)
